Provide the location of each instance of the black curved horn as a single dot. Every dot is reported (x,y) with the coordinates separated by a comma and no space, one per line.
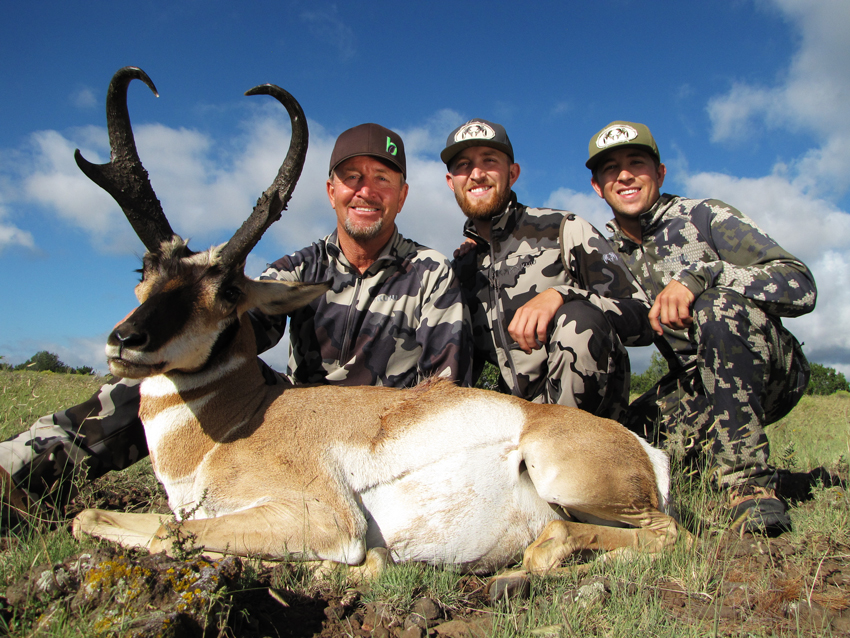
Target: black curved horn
(274,200)
(124,177)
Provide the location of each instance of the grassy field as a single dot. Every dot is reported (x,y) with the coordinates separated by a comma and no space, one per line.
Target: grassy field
(723,585)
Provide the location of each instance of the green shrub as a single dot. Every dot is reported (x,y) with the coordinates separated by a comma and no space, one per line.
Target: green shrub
(826,380)
(643,382)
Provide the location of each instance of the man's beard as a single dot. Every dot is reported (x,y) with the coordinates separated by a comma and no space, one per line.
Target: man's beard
(363,232)
(483,209)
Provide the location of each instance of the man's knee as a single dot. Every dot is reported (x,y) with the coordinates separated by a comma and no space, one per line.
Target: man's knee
(588,366)
(581,329)
(725,312)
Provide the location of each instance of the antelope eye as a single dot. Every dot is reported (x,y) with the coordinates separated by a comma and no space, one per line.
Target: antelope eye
(231,294)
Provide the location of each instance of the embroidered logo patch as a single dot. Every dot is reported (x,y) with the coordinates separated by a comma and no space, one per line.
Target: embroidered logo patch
(474,131)
(392,149)
(617,134)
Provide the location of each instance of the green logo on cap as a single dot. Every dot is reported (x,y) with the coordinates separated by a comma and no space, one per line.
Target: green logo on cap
(392,149)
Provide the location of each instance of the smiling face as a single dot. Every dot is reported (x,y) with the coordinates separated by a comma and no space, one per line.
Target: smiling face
(481,178)
(367,195)
(630,180)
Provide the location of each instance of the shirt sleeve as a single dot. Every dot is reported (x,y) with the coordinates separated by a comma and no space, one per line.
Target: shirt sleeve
(749,262)
(598,275)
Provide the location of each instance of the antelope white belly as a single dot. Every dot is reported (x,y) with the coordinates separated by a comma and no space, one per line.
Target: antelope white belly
(452,490)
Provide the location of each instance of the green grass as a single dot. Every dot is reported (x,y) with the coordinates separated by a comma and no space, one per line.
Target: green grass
(25,396)
(815,434)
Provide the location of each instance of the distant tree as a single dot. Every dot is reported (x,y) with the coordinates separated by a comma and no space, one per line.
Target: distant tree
(825,380)
(83,370)
(4,365)
(644,381)
(42,361)
(489,379)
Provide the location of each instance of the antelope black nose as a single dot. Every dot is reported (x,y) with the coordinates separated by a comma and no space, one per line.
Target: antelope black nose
(127,338)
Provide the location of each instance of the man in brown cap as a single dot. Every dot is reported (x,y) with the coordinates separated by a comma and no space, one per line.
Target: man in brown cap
(393,316)
(718,285)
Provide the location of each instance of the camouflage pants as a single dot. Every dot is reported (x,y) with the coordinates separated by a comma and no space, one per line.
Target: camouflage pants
(95,437)
(104,433)
(749,372)
(586,366)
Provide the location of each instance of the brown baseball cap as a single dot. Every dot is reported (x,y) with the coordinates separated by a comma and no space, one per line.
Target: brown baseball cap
(370,139)
(477,132)
(618,134)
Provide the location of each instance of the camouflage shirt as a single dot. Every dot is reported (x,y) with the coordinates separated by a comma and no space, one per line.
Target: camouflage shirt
(524,258)
(400,322)
(705,243)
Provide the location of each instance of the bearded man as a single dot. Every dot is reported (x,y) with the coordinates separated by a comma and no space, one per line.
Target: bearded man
(553,315)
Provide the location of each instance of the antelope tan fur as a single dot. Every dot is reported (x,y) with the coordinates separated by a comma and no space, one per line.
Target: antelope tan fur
(435,473)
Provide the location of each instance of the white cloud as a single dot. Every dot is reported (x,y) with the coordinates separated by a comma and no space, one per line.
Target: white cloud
(586,205)
(84,98)
(11,235)
(796,203)
(811,98)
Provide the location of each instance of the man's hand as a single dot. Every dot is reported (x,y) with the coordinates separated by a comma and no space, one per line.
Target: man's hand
(672,308)
(467,245)
(530,325)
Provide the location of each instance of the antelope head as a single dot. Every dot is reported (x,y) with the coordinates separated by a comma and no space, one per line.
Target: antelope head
(190,303)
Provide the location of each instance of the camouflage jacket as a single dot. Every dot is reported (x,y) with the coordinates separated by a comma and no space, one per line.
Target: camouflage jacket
(530,251)
(703,243)
(400,322)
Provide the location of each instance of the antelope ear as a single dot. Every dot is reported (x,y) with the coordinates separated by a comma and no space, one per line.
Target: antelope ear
(281,297)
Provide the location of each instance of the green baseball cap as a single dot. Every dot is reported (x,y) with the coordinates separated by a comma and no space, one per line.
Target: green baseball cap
(618,134)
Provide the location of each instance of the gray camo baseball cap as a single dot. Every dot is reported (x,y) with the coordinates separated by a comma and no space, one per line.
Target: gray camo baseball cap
(477,132)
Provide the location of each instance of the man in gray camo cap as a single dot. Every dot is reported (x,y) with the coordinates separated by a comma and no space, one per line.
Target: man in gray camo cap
(718,286)
(394,316)
(553,315)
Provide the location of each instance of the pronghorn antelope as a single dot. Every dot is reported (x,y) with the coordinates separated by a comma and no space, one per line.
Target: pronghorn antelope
(435,473)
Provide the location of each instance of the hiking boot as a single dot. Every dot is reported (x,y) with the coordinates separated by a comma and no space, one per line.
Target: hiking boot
(757,509)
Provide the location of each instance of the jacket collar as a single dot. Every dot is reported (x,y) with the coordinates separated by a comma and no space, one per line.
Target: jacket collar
(390,251)
(649,221)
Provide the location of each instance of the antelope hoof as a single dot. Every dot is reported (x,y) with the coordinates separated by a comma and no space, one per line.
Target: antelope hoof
(376,562)
(82,522)
(509,586)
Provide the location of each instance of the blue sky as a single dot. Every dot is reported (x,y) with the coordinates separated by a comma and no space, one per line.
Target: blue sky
(748,100)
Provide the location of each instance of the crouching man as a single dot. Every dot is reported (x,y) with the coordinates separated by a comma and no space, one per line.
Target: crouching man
(718,286)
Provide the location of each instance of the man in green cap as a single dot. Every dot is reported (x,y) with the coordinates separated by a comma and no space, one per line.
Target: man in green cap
(718,287)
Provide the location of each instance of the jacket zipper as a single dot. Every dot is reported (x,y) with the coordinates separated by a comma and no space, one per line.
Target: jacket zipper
(500,321)
(349,320)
